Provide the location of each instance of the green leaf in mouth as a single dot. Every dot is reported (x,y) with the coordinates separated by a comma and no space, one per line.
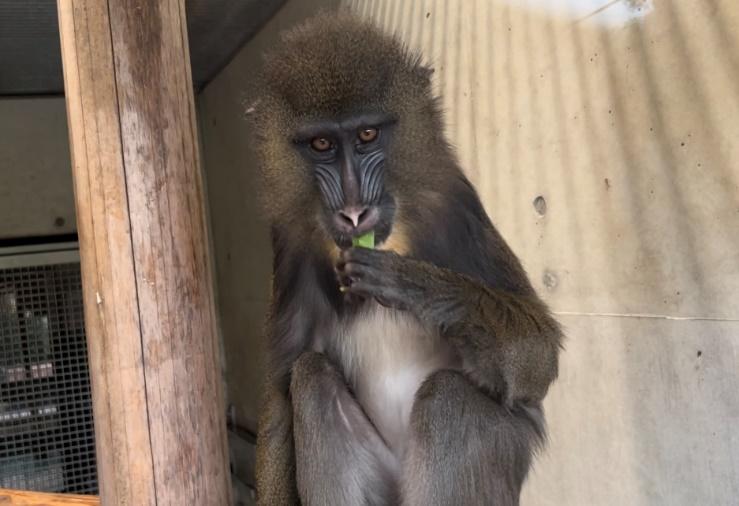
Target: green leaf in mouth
(365,241)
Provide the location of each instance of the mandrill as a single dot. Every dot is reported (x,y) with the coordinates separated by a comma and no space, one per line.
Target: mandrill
(409,373)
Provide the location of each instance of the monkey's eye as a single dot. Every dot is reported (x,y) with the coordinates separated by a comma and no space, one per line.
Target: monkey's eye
(321,144)
(367,135)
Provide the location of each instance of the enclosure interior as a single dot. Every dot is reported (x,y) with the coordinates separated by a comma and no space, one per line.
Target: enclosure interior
(601,136)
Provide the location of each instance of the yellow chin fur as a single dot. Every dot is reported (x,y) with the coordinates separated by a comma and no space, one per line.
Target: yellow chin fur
(398,240)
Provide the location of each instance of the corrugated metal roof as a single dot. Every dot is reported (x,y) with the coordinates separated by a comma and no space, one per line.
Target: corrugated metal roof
(30,58)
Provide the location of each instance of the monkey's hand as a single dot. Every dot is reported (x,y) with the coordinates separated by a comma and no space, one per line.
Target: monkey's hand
(509,343)
(437,296)
(370,273)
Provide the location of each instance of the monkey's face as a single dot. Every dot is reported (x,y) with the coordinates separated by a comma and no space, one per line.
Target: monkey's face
(346,158)
(348,130)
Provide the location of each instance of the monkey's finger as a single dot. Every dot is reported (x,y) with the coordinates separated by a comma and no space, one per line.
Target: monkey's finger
(363,256)
(391,304)
(366,272)
(385,302)
(345,274)
(351,298)
(364,289)
(346,281)
(344,265)
(370,289)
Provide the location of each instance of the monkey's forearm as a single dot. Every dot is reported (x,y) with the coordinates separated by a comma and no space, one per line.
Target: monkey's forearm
(459,304)
(500,336)
(508,343)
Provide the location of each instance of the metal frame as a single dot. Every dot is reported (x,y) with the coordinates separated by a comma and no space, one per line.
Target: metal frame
(39,254)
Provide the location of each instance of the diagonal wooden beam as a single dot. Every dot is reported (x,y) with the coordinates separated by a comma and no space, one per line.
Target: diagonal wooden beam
(25,498)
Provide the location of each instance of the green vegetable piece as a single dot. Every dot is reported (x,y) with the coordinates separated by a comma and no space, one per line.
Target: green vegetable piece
(365,241)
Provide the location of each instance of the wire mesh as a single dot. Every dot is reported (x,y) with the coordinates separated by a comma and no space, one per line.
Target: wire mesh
(46,428)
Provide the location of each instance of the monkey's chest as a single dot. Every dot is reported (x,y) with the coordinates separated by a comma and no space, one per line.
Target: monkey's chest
(386,355)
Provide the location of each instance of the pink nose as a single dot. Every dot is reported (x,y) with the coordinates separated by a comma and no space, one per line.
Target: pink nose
(356,219)
(354,215)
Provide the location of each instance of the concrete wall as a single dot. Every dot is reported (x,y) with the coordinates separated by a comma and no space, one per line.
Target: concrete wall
(36,196)
(623,117)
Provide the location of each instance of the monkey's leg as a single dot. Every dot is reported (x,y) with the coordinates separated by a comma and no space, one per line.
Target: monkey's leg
(275,467)
(465,448)
(340,458)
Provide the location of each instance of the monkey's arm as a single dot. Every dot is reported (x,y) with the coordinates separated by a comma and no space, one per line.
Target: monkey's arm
(508,343)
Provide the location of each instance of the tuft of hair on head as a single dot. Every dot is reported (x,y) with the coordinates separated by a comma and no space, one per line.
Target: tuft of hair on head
(336,63)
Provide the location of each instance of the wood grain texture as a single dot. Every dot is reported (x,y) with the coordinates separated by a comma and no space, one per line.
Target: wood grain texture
(154,362)
(25,498)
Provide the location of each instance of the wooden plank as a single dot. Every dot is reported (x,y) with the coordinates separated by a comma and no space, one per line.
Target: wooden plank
(154,362)
(25,498)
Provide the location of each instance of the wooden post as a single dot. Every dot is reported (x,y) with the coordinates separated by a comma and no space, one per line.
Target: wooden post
(154,362)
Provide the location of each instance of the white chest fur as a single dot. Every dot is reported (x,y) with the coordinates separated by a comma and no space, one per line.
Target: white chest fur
(387,354)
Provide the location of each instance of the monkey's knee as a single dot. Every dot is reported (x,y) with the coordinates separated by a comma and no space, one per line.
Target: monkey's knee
(451,383)
(314,382)
(460,435)
(450,396)
(310,370)
(309,365)
(441,396)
